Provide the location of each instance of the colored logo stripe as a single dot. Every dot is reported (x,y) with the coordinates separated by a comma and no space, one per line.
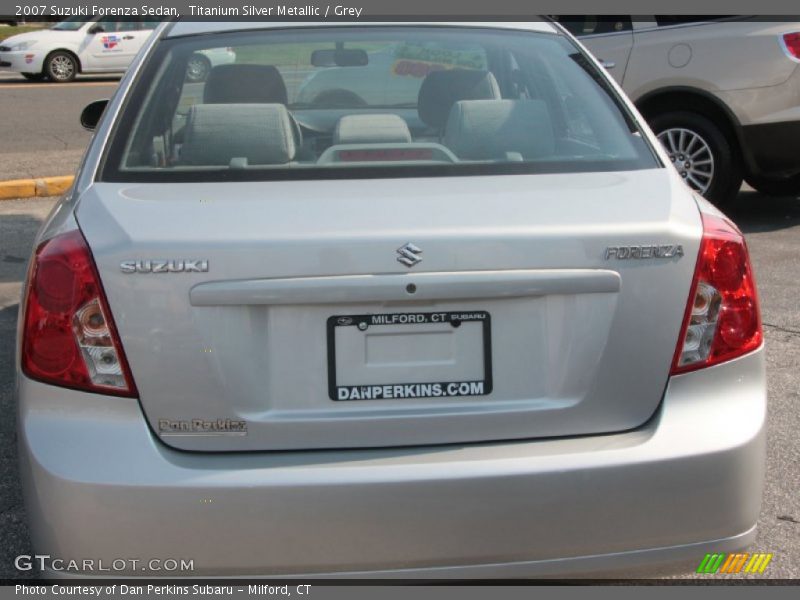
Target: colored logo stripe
(710,563)
(734,563)
(758,563)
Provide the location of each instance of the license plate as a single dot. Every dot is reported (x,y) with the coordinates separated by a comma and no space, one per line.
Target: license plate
(409,355)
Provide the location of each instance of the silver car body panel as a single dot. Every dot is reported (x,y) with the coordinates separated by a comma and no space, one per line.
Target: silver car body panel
(181,28)
(581,344)
(686,483)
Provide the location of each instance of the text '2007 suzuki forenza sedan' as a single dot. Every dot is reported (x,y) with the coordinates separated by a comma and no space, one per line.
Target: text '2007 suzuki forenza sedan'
(449,314)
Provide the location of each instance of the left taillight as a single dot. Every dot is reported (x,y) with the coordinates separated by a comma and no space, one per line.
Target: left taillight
(68,337)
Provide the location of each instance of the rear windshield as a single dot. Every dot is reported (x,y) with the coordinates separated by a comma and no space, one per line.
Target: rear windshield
(375,101)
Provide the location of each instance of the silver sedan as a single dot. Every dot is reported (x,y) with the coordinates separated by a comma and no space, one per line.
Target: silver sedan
(483,329)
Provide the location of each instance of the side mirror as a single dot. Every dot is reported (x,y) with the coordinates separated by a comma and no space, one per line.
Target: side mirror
(96,29)
(90,116)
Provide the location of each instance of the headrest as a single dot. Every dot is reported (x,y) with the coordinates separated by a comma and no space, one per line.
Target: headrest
(263,134)
(490,129)
(371,129)
(244,84)
(441,89)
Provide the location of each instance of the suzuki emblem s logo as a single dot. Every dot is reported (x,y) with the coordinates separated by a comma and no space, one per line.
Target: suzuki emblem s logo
(408,255)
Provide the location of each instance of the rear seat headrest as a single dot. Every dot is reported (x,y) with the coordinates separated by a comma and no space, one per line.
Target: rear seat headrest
(441,89)
(244,84)
(371,129)
(491,129)
(263,134)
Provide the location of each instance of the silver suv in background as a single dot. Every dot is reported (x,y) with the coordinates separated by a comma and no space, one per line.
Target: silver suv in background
(722,93)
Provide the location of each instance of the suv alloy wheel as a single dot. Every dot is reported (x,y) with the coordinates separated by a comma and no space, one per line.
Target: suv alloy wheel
(701,153)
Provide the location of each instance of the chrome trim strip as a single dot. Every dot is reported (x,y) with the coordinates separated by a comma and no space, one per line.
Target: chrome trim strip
(386,288)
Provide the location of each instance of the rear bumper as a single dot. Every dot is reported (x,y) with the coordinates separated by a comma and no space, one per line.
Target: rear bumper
(99,486)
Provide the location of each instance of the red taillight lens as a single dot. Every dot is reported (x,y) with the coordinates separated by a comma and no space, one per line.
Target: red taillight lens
(722,317)
(68,337)
(791,41)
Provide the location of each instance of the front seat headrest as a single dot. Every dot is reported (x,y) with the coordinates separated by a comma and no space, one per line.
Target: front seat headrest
(371,129)
(440,90)
(494,129)
(245,84)
(253,134)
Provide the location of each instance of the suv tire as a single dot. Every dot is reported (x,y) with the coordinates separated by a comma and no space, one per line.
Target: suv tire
(702,154)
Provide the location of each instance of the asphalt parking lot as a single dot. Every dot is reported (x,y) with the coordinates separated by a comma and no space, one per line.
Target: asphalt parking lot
(41,134)
(40,129)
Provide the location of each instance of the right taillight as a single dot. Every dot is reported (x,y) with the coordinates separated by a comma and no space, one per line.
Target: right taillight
(791,43)
(68,336)
(722,318)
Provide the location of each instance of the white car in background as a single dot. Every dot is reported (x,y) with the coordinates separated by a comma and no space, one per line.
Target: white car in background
(100,45)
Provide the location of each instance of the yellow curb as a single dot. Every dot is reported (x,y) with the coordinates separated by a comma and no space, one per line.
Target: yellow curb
(30,188)
(53,186)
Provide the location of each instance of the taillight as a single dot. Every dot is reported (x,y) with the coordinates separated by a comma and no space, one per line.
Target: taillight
(68,337)
(791,43)
(722,318)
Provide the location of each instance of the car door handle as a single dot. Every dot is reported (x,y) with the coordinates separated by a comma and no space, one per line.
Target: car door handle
(608,64)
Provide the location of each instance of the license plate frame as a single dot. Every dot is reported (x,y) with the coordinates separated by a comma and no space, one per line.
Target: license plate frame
(446,389)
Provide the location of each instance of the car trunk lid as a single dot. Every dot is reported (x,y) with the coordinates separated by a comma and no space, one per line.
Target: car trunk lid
(537,305)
